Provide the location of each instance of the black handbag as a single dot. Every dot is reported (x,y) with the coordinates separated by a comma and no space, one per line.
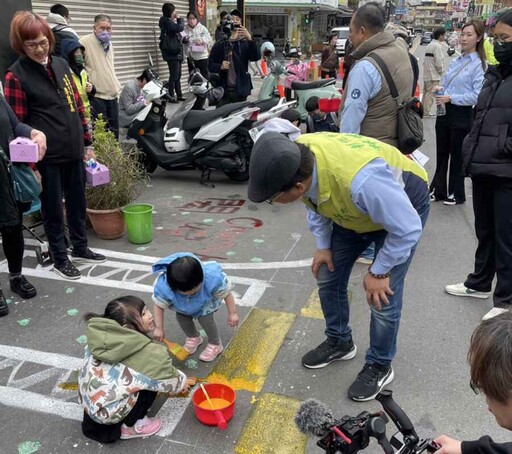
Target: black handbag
(25,184)
(410,114)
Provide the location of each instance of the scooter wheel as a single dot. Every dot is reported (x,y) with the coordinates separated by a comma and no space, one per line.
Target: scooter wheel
(149,164)
(238,176)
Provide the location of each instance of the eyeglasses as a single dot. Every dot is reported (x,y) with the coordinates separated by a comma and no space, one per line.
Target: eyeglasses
(475,388)
(44,44)
(502,40)
(274,197)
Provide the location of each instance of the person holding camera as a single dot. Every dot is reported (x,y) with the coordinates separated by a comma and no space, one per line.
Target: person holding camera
(490,362)
(171,27)
(230,58)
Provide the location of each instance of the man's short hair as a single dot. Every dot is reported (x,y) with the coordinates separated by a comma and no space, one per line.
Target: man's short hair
(59,9)
(102,17)
(312,104)
(490,357)
(168,9)
(439,31)
(223,14)
(370,16)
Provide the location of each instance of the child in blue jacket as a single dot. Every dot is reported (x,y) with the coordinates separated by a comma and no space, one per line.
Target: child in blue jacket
(194,290)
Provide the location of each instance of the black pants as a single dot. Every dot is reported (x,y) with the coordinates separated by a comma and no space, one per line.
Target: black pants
(201,65)
(13,244)
(492,204)
(108,433)
(70,178)
(109,108)
(451,129)
(174,85)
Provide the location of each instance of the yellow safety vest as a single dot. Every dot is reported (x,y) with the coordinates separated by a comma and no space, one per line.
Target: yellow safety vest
(339,157)
(80,83)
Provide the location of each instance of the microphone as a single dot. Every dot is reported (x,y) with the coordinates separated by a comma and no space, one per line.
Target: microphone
(314,419)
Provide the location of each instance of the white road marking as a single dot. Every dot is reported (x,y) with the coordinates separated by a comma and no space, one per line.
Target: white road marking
(15,395)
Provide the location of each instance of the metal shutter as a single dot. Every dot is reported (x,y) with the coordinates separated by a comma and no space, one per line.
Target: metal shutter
(135,30)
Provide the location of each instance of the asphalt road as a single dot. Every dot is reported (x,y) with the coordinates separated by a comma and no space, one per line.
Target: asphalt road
(266,250)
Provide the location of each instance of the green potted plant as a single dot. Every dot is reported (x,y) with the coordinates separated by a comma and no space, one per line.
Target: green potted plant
(127,180)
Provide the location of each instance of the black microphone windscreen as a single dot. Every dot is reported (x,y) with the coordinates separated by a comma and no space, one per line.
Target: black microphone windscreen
(313,418)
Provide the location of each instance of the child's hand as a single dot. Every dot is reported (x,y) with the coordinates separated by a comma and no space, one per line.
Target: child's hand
(158,334)
(233,320)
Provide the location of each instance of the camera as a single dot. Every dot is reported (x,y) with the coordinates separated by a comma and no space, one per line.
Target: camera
(352,434)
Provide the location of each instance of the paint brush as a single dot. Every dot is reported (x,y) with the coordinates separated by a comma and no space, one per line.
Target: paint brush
(176,349)
(207,396)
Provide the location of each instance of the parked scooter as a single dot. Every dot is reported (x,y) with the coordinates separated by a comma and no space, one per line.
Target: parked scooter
(203,139)
(291,51)
(324,88)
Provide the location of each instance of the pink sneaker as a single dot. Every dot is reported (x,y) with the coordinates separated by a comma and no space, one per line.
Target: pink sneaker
(191,344)
(211,352)
(144,427)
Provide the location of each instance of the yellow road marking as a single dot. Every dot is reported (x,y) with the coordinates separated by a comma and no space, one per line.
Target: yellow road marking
(270,428)
(244,365)
(313,309)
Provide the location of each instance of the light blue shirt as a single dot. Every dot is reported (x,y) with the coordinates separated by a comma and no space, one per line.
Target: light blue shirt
(375,192)
(364,82)
(464,85)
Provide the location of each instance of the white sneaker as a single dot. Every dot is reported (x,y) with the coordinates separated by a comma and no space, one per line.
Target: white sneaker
(462,290)
(494,312)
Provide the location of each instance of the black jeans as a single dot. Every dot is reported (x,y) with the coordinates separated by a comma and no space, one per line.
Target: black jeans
(201,65)
(451,129)
(174,85)
(109,108)
(108,433)
(14,245)
(70,178)
(492,204)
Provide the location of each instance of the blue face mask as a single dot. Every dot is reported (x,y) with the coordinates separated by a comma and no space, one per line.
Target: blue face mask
(104,37)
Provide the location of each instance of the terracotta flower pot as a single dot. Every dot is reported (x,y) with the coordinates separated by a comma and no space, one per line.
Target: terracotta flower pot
(107,224)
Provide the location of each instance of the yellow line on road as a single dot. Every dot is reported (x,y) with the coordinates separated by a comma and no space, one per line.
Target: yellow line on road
(244,365)
(313,309)
(270,428)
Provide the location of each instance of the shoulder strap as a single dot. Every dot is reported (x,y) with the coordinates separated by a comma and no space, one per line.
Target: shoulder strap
(59,27)
(457,73)
(387,75)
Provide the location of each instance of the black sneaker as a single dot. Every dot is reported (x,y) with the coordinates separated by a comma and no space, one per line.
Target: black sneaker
(67,270)
(181,98)
(88,257)
(327,352)
(22,287)
(370,382)
(4,309)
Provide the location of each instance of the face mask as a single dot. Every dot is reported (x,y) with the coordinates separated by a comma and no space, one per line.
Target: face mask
(503,52)
(104,37)
(79,60)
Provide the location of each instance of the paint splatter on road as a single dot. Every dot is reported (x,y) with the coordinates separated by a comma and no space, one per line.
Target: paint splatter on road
(82,340)
(230,253)
(70,290)
(185,213)
(177,197)
(28,447)
(8,300)
(73,312)
(208,221)
(256,260)
(24,322)
(191,363)
(258,241)
(159,228)
(142,248)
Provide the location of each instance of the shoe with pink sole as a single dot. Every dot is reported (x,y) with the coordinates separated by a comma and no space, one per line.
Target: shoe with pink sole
(191,344)
(144,427)
(211,352)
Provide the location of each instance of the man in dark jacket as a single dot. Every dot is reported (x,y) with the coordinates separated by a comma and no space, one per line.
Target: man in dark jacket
(230,59)
(171,26)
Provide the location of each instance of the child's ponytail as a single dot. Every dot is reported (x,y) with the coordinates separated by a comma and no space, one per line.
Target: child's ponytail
(125,310)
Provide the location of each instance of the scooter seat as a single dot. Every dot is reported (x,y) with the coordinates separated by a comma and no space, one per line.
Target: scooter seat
(197,118)
(266,104)
(296,85)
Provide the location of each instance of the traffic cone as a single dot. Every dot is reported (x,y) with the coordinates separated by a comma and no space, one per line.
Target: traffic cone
(312,64)
(264,68)
(280,89)
(417,93)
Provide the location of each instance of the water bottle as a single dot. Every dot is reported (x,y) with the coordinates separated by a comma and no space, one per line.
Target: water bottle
(441,108)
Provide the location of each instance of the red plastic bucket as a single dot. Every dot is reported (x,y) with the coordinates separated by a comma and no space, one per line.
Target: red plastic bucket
(223,397)
(329,104)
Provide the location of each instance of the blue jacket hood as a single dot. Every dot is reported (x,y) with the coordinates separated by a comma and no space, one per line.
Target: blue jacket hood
(69,45)
(161,265)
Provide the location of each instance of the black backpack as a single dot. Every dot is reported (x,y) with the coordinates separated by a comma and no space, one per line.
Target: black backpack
(170,45)
(410,114)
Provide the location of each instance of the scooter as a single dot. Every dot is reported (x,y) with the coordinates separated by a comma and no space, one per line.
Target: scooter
(324,88)
(207,140)
(291,51)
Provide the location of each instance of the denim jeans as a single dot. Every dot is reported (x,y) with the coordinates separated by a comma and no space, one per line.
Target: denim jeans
(346,247)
